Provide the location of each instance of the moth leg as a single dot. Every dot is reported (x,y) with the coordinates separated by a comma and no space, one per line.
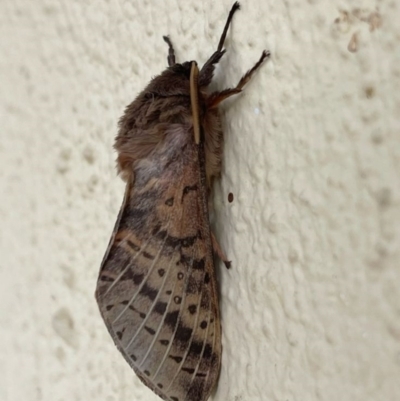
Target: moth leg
(171,51)
(217,97)
(207,72)
(217,249)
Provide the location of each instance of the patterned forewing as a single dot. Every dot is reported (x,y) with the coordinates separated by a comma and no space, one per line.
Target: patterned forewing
(157,288)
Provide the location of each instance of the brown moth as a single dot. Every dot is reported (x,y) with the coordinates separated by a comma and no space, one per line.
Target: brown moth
(157,289)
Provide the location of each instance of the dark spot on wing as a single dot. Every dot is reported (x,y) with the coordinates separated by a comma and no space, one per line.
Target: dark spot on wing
(177,359)
(169,202)
(149,292)
(150,330)
(188,370)
(199,264)
(132,245)
(207,351)
(171,318)
(161,272)
(148,255)
(195,348)
(187,189)
(120,333)
(192,309)
(183,334)
(160,307)
(164,342)
(138,278)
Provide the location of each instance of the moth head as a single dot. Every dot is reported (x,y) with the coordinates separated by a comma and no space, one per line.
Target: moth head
(172,81)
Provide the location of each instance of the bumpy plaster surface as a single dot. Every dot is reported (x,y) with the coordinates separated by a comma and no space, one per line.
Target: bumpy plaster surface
(311,307)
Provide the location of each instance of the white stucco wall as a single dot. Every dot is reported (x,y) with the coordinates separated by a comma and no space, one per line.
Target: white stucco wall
(311,307)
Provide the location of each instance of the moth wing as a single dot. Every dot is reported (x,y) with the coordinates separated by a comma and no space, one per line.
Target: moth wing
(157,287)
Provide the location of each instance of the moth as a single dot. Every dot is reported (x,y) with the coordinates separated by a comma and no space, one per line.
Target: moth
(157,288)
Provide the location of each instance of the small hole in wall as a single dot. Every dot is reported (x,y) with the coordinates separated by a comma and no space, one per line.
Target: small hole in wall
(230,197)
(369,92)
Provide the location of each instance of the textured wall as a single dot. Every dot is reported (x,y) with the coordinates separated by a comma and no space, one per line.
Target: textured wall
(311,307)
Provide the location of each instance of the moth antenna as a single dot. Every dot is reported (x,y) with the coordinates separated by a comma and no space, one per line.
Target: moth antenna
(207,71)
(235,7)
(194,101)
(171,51)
